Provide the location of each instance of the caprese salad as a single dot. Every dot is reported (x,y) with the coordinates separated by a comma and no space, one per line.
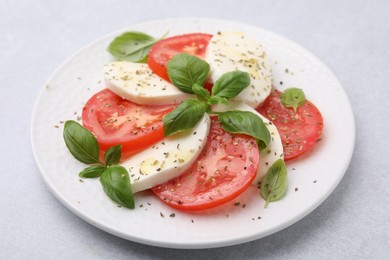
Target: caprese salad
(194,118)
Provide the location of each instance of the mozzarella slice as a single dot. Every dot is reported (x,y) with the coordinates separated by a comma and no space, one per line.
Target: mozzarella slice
(167,159)
(272,152)
(137,83)
(229,51)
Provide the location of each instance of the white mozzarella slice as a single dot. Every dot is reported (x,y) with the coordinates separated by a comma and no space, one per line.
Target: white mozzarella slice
(274,150)
(168,158)
(137,83)
(230,51)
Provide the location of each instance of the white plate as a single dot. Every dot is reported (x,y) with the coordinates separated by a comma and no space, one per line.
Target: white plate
(311,178)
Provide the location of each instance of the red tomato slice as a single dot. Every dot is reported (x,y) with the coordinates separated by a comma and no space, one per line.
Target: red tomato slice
(164,50)
(226,167)
(114,121)
(299,131)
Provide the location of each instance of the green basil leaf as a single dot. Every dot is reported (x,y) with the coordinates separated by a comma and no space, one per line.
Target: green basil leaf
(245,122)
(92,171)
(231,84)
(201,92)
(113,154)
(183,117)
(81,143)
(116,184)
(217,100)
(185,70)
(274,184)
(132,46)
(293,97)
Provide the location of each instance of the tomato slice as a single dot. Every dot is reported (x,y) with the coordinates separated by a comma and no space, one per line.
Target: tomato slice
(225,168)
(164,50)
(298,131)
(114,121)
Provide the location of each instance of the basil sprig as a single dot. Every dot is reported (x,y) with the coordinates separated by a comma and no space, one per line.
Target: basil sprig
(185,116)
(132,46)
(245,122)
(116,184)
(274,184)
(231,84)
(81,143)
(115,179)
(293,97)
(113,154)
(93,171)
(200,92)
(185,70)
(189,73)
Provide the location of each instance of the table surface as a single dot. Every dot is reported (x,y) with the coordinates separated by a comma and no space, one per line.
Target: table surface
(351,37)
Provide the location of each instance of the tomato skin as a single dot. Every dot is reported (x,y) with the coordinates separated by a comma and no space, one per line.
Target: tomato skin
(114,121)
(298,131)
(164,50)
(225,168)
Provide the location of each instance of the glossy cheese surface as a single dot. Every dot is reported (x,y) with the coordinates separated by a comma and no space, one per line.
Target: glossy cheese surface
(229,51)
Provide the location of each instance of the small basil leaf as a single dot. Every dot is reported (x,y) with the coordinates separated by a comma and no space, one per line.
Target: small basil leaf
(113,154)
(274,184)
(183,117)
(217,100)
(81,143)
(116,184)
(244,122)
(231,84)
(185,70)
(132,46)
(201,92)
(92,171)
(293,97)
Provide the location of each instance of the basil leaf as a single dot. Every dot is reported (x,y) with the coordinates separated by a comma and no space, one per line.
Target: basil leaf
(185,70)
(132,46)
(183,117)
(113,154)
(244,122)
(231,84)
(92,171)
(216,100)
(293,97)
(116,184)
(81,143)
(274,184)
(201,92)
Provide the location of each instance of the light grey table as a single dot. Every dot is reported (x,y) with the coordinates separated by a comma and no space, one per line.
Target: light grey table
(351,37)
